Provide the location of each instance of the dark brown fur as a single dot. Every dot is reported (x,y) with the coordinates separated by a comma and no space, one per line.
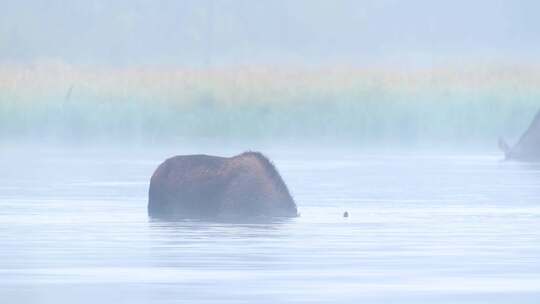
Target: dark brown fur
(210,186)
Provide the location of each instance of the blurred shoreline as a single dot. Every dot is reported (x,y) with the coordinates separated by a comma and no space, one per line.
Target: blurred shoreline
(470,106)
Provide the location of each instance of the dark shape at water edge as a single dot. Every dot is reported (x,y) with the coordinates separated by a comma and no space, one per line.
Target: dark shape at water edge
(207,187)
(528,146)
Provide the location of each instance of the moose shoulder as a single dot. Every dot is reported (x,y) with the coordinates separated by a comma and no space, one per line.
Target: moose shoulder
(204,186)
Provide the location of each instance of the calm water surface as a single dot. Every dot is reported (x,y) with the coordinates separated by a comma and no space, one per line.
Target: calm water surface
(428,228)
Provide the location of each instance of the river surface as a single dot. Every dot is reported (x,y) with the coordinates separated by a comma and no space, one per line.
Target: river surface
(423,228)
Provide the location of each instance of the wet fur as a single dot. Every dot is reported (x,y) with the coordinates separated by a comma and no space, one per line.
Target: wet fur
(203,186)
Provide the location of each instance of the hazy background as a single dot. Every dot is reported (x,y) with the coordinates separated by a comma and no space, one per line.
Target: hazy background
(361,72)
(389,110)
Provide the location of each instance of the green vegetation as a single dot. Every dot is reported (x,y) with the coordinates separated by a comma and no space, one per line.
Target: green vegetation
(360,106)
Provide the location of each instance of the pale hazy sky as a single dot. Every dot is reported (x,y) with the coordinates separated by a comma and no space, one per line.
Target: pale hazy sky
(225,32)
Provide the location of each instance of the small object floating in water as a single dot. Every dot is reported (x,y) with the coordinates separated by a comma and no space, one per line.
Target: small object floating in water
(346,214)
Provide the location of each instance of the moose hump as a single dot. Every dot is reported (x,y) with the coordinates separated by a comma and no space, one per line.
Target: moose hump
(204,186)
(528,146)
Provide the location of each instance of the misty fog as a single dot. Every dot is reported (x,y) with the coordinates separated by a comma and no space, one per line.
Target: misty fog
(130,130)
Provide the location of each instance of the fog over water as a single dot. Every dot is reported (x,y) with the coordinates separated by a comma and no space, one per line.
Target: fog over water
(361,72)
(423,227)
(233,32)
(389,110)
(454,107)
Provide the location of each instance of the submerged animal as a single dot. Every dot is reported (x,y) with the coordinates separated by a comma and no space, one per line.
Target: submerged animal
(528,146)
(204,186)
